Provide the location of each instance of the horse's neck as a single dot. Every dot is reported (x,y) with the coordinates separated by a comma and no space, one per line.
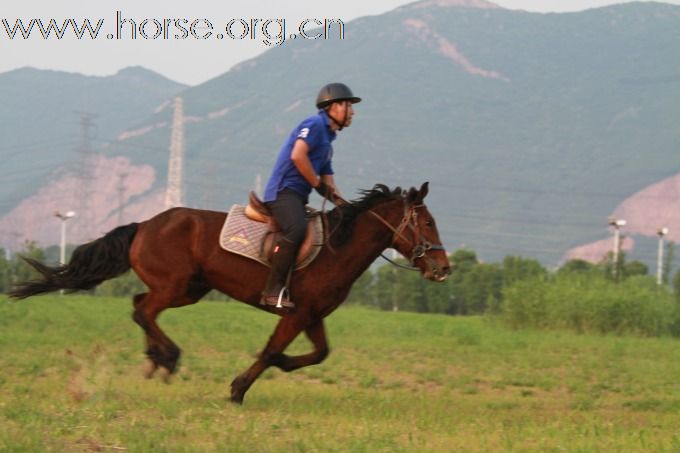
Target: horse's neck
(369,239)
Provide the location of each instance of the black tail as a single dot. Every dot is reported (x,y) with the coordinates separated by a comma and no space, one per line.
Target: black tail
(90,264)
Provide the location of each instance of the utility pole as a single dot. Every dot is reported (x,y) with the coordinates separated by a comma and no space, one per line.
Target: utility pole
(86,168)
(617,224)
(121,195)
(395,301)
(659,262)
(174,195)
(62,242)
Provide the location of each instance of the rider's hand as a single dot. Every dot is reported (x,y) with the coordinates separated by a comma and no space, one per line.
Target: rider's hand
(324,190)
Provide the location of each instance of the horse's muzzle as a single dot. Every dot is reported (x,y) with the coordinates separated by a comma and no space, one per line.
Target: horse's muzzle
(437,272)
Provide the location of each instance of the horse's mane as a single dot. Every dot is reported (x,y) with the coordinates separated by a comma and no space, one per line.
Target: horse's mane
(341,219)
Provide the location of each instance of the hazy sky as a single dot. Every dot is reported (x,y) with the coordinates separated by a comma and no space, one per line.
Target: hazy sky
(189,60)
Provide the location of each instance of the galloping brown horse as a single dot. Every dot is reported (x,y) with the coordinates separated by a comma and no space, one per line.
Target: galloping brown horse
(176,255)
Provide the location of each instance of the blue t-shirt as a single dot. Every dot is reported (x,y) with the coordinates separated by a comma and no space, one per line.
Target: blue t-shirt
(316,133)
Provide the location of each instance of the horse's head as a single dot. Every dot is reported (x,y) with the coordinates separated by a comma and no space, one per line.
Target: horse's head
(413,230)
(417,238)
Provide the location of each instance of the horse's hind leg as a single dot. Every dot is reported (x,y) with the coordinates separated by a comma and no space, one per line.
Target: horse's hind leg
(160,349)
(150,367)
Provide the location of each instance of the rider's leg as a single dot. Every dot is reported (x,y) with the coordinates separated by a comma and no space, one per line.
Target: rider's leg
(289,211)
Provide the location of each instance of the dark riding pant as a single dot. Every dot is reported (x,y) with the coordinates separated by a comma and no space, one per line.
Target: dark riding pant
(289,211)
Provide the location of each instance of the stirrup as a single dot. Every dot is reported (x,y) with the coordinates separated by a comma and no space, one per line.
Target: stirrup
(283,291)
(281,302)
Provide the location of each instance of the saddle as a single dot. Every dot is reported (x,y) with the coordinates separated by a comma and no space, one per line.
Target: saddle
(252,231)
(258,211)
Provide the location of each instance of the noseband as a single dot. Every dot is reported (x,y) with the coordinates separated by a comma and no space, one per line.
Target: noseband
(420,245)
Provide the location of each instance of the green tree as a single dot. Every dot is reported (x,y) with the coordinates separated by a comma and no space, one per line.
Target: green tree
(576,265)
(516,268)
(634,268)
(439,297)
(407,291)
(676,284)
(20,270)
(668,258)
(463,260)
(53,253)
(127,285)
(478,289)
(362,290)
(5,271)
(613,270)
(386,288)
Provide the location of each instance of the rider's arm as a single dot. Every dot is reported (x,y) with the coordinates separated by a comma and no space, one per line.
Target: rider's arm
(302,162)
(330,182)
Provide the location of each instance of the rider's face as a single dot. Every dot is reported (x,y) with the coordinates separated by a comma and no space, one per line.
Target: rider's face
(340,110)
(350,112)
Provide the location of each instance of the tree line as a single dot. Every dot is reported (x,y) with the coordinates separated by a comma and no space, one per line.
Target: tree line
(606,297)
(475,287)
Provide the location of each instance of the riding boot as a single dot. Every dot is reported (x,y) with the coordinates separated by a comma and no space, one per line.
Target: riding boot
(275,292)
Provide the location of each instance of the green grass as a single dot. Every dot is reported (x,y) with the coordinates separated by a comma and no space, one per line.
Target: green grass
(70,380)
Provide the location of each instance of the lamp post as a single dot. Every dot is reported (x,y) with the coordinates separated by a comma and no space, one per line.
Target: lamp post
(62,245)
(617,224)
(659,261)
(395,303)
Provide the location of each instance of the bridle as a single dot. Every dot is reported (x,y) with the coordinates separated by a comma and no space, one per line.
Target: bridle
(409,221)
(420,245)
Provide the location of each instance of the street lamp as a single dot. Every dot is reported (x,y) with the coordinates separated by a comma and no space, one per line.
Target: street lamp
(659,262)
(62,246)
(617,224)
(395,303)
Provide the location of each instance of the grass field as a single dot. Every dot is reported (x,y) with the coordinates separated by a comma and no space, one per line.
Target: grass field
(70,380)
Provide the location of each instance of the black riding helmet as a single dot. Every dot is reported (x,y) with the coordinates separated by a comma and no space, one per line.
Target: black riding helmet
(335,92)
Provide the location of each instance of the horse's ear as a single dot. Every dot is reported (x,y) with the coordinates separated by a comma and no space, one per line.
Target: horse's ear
(411,195)
(381,188)
(422,193)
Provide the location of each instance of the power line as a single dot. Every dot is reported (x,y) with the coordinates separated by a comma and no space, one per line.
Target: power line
(84,189)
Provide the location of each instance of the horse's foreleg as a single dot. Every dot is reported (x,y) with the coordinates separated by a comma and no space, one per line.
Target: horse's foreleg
(317,335)
(286,330)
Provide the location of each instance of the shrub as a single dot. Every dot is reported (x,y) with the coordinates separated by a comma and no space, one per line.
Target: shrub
(591,303)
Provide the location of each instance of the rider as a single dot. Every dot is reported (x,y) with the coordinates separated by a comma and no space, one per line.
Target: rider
(303,164)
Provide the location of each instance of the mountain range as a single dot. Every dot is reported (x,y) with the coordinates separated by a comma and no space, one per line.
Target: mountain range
(532,128)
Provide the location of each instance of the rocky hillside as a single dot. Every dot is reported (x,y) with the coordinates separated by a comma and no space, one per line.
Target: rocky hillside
(532,128)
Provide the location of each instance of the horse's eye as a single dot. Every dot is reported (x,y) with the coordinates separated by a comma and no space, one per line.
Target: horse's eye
(428,223)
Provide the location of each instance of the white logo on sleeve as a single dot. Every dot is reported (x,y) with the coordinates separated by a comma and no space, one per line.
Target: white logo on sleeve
(304,132)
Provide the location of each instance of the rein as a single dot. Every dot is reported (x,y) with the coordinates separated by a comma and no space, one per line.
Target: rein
(410,220)
(399,265)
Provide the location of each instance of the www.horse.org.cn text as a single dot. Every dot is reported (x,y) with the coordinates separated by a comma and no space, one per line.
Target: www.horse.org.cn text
(270,31)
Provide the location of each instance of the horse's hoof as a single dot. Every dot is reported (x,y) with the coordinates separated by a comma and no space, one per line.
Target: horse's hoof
(237,391)
(165,375)
(236,399)
(149,368)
